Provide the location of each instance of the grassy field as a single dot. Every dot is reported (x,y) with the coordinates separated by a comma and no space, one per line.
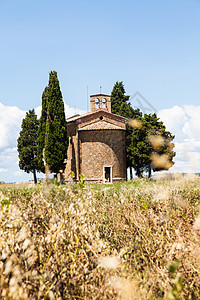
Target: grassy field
(134,240)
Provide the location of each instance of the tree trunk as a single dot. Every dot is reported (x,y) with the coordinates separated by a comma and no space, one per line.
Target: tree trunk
(149,171)
(34,176)
(139,173)
(131,174)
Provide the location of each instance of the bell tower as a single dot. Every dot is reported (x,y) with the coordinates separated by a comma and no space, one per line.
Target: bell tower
(100,101)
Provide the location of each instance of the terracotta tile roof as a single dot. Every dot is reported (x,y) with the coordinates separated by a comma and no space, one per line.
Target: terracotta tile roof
(100,125)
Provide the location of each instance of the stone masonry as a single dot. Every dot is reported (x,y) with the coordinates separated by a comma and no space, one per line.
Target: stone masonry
(97,143)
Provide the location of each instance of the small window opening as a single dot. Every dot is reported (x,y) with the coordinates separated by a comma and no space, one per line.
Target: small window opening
(104,103)
(97,103)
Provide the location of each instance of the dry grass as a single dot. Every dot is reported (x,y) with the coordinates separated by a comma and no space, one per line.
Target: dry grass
(136,240)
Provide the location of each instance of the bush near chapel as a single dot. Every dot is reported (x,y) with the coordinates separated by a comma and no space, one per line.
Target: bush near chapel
(143,153)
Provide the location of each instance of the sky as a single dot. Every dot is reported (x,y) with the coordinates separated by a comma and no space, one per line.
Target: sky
(152,46)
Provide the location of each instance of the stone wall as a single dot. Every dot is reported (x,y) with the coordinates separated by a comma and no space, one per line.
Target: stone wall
(72,163)
(96,140)
(99,148)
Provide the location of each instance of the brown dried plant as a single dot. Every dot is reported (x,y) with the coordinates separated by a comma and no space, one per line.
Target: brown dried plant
(156,141)
(101,242)
(135,123)
(161,161)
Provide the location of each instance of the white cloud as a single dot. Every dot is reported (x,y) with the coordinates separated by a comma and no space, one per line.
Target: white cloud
(69,111)
(2,170)
(10,126)
(10,122)
(38,111)
(184,123)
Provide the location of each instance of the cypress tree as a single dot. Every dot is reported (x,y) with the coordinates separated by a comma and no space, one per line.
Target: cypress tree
(42,130)
(27,144)
(119,101)
(56,139)
(120,105)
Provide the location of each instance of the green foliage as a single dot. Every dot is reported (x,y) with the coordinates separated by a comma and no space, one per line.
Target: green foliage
(55,181)
(139,150)
(154,127)
(177,283)
(119,101)
(81,180)
(52,129)
(120,104)
(6,201)
(27,144)
(173,266)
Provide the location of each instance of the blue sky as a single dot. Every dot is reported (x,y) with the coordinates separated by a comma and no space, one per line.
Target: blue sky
(152,46)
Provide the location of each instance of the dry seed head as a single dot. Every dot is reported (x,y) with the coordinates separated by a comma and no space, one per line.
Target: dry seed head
(136,124)
(161,195)
(196,225)
(13,281)
(4,293)
(177,176)
(181,202)
(51,295)
(156,141)
(109,262)
(1,196)
(170,145)
(161,161)
(16,271)
(191,177)
(22,234)
(8,267)
(4,254)
(26,244)
(128,290)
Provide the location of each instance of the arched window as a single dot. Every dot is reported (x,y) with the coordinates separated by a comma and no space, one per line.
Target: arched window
(104,103)
(96,103)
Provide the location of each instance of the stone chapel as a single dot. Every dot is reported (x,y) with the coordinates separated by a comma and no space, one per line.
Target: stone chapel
(97,143)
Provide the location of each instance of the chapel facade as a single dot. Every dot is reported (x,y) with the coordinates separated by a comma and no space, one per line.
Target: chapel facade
(97,143)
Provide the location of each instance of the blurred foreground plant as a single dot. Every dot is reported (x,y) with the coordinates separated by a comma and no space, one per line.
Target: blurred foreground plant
(101,242)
